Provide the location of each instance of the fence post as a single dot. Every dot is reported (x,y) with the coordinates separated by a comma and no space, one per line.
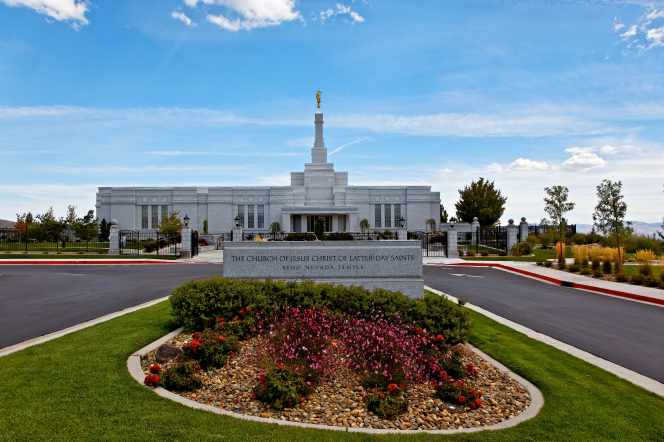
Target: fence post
(113,245)
(474,226)
(511,235)
(452,244)
(185,248)
(523,230)
(237,234)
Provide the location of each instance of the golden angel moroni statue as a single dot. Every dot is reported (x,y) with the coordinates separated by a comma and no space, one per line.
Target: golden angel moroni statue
(318,98)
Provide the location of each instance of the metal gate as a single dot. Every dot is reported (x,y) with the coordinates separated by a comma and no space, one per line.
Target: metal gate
(194,243)
(134,243)
(492,239)
(433,244)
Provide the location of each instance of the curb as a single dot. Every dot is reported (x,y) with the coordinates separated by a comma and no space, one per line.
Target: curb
(618,370)
(88,262)
(563,283)
(41,339)
(536,399)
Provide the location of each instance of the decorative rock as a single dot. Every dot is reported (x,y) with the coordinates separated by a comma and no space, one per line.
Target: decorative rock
(464,349)
(166,353)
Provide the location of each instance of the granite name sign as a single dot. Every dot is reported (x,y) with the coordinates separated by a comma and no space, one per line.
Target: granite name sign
(392,265)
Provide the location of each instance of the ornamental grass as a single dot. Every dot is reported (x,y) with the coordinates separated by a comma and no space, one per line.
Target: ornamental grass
(645,259)
(580,254)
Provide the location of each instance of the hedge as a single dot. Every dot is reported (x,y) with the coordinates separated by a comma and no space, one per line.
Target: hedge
(197,303)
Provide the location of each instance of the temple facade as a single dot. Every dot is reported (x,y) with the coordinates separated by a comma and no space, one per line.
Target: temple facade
(318,191)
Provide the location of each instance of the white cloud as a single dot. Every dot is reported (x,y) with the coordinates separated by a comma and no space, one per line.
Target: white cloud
(495,168)
(67,10)
(526,164)
(348,144)
(609,149)
(254,13)
(629,33)
(583,161)
(648,36)
(446,170)
(617,25)
(181,16)
(341,10)
(580,149)
(656,36)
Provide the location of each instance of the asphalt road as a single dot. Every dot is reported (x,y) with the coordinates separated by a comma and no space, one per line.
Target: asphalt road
(630,334)
(39,299)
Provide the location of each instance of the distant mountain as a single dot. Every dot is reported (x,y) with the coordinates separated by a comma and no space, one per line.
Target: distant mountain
(640,228)
(5,224)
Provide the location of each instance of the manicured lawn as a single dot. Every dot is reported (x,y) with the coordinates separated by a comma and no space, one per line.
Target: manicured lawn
(540,255)
(77,388)
(69,246)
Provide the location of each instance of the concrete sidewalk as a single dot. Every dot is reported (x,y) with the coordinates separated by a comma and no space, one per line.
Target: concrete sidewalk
(557,276)
(212,256)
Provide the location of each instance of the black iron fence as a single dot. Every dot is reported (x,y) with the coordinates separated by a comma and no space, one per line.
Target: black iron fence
(194,243)
(433,244)
(570,230)
(34,239)
(492,239)
(134,243)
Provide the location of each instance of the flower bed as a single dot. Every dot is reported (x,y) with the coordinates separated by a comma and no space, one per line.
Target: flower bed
(348,357)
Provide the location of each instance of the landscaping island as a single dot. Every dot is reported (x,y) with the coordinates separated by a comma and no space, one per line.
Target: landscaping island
(331,356)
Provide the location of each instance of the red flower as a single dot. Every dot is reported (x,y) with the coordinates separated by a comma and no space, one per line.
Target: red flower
(392,387)
(462,399)
(402,387)
(221,338)
(234,319)
(281,367)
(151,380)
(253,396)
(242,312)
(303,399)
(248,309)
(478,401)
(472,405)
(231,352)
(155,369)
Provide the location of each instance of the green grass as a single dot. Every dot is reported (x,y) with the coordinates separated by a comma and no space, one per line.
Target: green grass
(78,388)
(54,255)
(39,246)
(540,255)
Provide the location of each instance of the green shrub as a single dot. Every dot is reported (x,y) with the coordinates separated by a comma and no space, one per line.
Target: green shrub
(197,304)
(634,243)
(502,253)
(637,279)
(545,239)
(621,277)
(281,388)
(548,264)
(460,252)
(596,264)
(437,239)
(319,227)
(598,273)
(387,405)
(606,266)
(484,253)
(339,236)
(584,263)
(650,281)
(412,235)
(470,253)
(182,376)
(300,236)
(540,263)
(578,238)
(585,271)
(211,349)
(387,234)
(645,270)
(574,268)
(532,239)
(522,248)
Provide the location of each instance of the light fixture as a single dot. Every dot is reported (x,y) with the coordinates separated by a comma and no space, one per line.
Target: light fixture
(402,222)
(186,220)
(237,221)
(452,221)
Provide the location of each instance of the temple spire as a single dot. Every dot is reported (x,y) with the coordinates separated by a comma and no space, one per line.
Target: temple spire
(319,152)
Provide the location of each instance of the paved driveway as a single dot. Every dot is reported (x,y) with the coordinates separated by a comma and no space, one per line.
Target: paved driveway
(39,299)
(630,334)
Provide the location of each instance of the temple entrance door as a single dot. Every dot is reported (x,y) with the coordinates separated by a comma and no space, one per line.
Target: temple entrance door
(311,220)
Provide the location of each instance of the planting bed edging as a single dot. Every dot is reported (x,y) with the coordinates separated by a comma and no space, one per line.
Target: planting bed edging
(560,282)
(536,398)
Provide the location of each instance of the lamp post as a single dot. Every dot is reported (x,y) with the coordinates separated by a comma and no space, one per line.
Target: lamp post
(236,235)
(402,222)
(402,233)
(453,220)
(237,221)
(186,220)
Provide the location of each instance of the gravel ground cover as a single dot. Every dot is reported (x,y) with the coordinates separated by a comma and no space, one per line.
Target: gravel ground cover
(338,402)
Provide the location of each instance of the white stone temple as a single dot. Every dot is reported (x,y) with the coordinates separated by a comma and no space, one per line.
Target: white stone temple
(318,191)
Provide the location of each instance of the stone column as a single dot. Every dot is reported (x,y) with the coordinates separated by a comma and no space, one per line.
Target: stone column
(237,234)
(353,223)
(452,244)
(185,245)
(511,235)
(113,248)
(403,234)
(523,230)
(285,223)
(335,223)
(474,226)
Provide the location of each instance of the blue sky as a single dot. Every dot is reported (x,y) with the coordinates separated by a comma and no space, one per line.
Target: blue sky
(527,94)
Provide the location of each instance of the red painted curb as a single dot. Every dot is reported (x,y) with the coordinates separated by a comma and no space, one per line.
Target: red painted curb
(575,285)
(71,262)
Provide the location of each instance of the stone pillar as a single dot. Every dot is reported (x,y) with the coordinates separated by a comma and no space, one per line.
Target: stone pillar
(113,248)
(473,227)
(185,245)
(353,224)
(523,230)
(511,235)
(237,234)
(335,223)
(403,234)
(452,243)
(285,223)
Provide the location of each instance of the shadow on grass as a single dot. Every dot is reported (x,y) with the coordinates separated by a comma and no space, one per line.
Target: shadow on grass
(78,388)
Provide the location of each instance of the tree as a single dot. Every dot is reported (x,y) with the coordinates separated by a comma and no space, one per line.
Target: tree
(275,229)
(364,225)
(71,218)
(49,227)
(19,225)
(482,200)
(104,229)
(319,228)
(205,227)
(556,207)
(443,214)
(170,225)
(609,215)
(431,224)
(87,228)
(660,234)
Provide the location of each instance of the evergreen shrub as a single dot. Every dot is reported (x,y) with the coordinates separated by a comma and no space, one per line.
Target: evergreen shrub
(574,268)
(485,253)
(470,253)
(339,236)
(637,279)
(197,304)
(621,277)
